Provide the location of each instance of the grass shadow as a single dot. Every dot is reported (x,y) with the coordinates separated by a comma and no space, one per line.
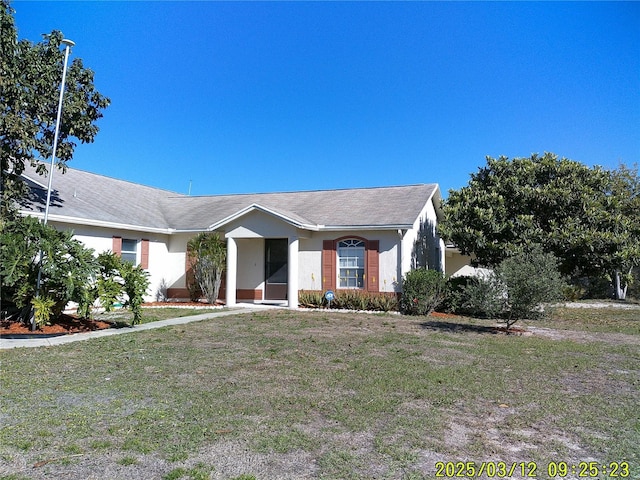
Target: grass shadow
(453,327)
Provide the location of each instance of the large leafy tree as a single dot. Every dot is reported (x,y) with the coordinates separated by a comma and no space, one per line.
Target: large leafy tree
(587,217)
(30,76)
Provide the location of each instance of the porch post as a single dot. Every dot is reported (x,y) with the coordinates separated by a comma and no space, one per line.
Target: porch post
(292,280)
(232,267)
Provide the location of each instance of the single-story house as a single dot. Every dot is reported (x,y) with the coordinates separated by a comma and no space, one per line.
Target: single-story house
(277,243)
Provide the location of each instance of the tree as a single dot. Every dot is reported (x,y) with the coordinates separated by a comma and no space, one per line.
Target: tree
(209,254)
(623,225)
(587,217)
(30,76)
(531,280)
(68,269)
(520,287)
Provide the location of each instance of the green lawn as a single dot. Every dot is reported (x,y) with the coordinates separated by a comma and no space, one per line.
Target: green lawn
(283,394)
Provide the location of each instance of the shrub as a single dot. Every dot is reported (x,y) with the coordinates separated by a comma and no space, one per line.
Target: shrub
(67,268)
(517,289)
(209,252)
(120,281)
(422,291)
(484,296)
(453,295)
(136,282)
(532,279)
(311,298)
(43,309)
(350,300)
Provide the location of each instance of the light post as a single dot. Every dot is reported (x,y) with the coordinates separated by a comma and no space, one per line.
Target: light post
(68,43)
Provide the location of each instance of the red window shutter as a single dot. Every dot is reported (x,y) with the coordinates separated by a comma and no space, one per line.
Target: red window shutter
(373,266)
(328,265)
(144,254)
(117,245)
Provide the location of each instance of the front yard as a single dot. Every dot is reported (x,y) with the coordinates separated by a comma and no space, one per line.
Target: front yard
(294,395)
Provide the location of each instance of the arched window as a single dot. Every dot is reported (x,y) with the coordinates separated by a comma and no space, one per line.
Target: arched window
(351,263)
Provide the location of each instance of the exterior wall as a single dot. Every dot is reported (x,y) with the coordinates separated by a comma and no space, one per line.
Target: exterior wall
(310,258)
(423,232)
(250,279)
(175,266)
(164,265)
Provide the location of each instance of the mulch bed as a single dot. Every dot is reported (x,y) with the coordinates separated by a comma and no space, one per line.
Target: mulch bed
(64,325)
(68,324)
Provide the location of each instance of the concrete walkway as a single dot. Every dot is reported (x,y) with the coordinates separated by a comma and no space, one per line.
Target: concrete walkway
(76,337)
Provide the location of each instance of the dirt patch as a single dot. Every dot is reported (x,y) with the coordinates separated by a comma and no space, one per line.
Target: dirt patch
(66,324)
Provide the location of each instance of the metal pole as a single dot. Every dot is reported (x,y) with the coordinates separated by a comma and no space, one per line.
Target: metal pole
(68,44)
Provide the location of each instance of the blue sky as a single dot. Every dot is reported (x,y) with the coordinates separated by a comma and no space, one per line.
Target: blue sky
(240,97)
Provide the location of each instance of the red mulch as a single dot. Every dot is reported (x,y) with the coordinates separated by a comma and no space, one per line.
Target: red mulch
(181,304)
(65,324)
(70,324)
(442,315)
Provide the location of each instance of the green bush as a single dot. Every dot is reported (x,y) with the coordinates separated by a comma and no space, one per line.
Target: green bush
(532,279)
(634,286)
(483,296)
(67,268)
(422,291)
(311,298)
(120,282)
(43,309)
(520,287)
(136,282)
(453,295)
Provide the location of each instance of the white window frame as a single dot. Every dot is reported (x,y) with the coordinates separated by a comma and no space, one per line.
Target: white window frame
(351,263)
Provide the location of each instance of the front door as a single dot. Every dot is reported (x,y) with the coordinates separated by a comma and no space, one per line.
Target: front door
(276,254)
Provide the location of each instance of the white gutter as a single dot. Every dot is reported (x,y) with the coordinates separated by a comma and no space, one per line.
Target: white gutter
(99,223)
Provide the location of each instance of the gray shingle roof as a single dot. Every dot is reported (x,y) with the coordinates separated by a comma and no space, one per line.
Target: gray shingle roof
(94,198)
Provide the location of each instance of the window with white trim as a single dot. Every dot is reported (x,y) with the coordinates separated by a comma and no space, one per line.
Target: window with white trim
(351,263)
(129,252)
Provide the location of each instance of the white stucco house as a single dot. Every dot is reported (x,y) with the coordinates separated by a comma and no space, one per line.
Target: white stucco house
(277,243)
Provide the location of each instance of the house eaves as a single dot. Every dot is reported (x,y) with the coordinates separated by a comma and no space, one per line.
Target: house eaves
(98,223)
(336,228)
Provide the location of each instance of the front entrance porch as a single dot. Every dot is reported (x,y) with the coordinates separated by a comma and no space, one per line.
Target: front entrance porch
(262,270)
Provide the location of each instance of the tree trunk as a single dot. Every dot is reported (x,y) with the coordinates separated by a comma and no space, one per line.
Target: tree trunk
(619,292)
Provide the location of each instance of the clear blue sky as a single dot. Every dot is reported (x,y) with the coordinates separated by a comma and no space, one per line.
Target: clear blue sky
(262,96)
